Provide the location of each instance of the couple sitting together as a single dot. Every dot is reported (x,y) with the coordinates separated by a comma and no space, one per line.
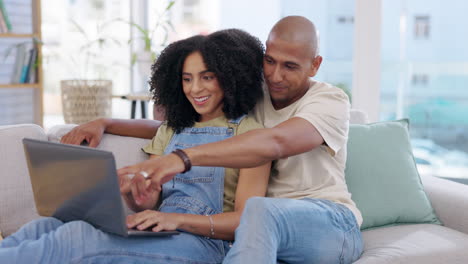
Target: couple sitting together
(230,108)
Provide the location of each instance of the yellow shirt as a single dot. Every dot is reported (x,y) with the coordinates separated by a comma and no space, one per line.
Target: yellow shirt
(165,133)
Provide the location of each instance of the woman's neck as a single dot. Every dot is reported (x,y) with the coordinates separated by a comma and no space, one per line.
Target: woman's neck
(206,118)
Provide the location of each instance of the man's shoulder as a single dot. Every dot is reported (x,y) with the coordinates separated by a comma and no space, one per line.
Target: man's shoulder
(324,89)
(325,93)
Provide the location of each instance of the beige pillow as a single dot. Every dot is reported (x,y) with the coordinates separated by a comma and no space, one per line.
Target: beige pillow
(1,236)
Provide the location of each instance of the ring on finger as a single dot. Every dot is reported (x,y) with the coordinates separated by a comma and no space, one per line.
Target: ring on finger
(144,174)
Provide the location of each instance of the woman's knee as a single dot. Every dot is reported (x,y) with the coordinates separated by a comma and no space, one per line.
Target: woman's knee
(44,224)
(79,227)
(77,230)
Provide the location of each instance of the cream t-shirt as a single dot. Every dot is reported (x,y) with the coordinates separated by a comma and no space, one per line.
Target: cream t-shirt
(318,173)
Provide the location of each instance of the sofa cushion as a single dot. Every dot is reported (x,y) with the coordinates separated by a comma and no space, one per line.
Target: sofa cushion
(382,177)
(16,200)
(421,243)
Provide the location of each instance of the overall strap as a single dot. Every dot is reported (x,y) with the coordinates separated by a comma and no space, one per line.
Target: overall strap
(236,121)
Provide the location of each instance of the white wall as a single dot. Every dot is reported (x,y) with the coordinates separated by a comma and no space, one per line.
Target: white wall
(366,58)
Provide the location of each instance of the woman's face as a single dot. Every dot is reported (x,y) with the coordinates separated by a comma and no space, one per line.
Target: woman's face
(202,88)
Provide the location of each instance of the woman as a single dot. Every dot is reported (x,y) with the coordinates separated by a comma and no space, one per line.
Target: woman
(206,84)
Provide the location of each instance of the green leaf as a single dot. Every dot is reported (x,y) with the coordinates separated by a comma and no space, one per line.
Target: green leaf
(154,55)
(80,29)
(134,58)
(88,45)
(116,41)
(169,22)
(38,41)
(171,3)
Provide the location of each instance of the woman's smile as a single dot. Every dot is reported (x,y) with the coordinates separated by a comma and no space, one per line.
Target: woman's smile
(201,100)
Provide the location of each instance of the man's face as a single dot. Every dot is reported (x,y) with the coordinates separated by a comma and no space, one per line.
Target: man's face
(287,68)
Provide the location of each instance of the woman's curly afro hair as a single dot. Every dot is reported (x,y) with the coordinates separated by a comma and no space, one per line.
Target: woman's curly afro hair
(233,55)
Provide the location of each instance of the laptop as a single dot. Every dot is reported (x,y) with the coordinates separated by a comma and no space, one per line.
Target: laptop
(78,183)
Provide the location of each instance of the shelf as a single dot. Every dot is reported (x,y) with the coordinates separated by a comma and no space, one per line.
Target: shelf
(14,35)
(20,85)
(31,24)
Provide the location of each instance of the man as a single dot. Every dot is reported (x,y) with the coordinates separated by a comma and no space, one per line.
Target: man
(309,217)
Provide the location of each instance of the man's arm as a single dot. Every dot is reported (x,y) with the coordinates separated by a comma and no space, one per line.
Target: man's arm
(92,131)
(248,150)
(256,147)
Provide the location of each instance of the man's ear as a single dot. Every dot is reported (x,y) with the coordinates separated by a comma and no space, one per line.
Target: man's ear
(316,62)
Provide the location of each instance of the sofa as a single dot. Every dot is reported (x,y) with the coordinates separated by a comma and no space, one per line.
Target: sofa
(415,243)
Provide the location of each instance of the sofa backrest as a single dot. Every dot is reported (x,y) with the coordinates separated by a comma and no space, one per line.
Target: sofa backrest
(127,150)
(358,117)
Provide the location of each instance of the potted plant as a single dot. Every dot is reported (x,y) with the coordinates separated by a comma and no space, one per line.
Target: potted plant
(144,58)
(89,95)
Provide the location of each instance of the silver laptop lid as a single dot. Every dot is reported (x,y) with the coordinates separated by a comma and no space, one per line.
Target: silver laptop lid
(75,183)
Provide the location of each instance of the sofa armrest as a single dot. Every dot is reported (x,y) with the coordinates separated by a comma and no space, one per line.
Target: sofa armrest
(16,198)
(449,200)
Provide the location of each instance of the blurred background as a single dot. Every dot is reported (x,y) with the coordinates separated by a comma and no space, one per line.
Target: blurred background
(395,58)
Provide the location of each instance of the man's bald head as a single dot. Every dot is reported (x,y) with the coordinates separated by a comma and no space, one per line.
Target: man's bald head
(298,30)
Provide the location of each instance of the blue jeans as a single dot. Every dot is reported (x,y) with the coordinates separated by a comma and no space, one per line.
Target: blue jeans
(48,240)
(295,231)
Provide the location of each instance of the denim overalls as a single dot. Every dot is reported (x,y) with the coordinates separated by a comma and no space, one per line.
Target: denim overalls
(198,191)
(201,190)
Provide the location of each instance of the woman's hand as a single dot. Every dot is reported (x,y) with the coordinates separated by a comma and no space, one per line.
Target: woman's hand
(90,132)
(155,220)
(159,170)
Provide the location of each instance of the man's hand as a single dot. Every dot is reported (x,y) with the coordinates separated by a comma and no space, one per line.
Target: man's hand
(127,188)
(159,170)
(90,132)
(155,220)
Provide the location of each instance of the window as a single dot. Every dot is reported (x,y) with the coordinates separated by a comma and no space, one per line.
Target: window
(333,18)
(422,27)
(190,10)
(345,19)
(423,80)
(420,79)
(335,21)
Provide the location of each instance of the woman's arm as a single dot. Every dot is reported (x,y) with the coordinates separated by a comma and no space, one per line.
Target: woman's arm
(252,182)
(128,191)
(92,131)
